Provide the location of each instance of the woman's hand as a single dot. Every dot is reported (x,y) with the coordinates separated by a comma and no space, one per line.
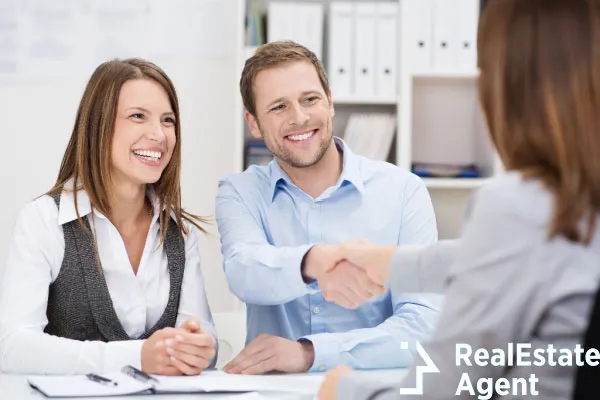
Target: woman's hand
(185,350)
(328,390)
(191,350)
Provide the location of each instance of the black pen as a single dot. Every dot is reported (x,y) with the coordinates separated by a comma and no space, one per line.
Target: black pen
(100,379)
(137,374)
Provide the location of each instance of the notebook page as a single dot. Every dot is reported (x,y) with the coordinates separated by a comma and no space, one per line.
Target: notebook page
(219,381)
(80,386)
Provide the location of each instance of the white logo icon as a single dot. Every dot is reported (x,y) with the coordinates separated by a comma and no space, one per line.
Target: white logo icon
(428,368)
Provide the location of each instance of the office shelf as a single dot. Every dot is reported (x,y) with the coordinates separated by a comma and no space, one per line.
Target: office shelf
(454,183)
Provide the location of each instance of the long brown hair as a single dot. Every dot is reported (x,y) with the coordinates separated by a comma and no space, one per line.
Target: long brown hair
(87,159)
(540,91)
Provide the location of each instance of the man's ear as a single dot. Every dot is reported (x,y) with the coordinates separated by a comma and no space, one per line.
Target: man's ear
(252,124)
(331,108)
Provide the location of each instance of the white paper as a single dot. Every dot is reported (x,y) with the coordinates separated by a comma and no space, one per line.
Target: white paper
(216,381)
(80,386)
(246,396)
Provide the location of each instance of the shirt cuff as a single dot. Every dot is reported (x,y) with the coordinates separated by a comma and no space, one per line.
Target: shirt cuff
(121,353)
(294,275)
(405,269)
(327,352)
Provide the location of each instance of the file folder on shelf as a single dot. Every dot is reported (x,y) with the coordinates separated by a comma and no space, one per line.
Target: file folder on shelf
(386,42)
(300,22)
(341,40)
(418,15)
(445,35)
(467,21)
(364,57)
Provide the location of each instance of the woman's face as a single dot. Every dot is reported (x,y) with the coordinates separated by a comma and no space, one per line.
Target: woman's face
(144,134)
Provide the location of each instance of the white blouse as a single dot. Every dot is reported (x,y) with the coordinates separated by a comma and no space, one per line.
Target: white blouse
(34,261)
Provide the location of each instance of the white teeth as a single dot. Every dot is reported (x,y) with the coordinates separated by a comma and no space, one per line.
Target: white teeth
(153,155)
(303,136)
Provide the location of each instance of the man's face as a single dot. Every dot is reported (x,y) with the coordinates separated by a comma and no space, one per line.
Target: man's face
(293,114)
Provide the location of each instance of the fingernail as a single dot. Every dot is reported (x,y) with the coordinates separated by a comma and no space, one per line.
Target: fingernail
(169,342)
(179,338)
(170,350)
(173,358)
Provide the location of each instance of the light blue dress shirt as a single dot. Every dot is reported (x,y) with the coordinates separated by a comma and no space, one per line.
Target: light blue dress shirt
(267,224)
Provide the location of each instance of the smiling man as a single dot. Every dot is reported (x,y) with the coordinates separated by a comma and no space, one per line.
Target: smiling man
(279,227)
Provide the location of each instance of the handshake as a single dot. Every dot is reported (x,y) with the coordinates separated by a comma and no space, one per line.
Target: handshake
(350,273)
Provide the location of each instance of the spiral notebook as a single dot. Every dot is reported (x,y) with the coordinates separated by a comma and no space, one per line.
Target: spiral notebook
(134,382)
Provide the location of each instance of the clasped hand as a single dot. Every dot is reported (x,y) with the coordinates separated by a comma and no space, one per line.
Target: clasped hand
(186,350)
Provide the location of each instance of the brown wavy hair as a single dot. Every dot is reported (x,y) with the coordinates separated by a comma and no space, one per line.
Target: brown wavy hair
(87,159)
(540,92)
(275,54)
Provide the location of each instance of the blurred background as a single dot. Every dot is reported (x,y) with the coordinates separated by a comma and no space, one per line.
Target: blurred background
(403,75)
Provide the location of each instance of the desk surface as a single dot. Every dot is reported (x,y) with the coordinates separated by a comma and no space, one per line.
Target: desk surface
(16,387)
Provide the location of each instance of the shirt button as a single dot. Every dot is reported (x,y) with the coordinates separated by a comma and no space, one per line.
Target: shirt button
(316,310)
(273,294)
(321,368)
(314,205)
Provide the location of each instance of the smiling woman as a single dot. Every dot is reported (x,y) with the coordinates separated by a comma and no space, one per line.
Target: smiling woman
(103,270)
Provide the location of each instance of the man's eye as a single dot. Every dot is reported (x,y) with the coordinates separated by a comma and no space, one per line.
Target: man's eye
(279,107)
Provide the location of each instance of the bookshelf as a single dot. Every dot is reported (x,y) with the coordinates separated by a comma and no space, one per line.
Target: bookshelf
(439,120)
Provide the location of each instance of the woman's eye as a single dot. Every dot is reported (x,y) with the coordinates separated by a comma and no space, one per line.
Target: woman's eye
(169,121)
(137,116)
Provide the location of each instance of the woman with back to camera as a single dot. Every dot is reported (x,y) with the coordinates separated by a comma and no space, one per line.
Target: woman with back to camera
(103,270)
(526,268)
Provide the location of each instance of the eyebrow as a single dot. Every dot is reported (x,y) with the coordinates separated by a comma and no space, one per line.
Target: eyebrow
(305,93)
(171,113)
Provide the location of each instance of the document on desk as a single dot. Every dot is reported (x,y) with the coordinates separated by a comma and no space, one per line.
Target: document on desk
(218,381)
(209,381)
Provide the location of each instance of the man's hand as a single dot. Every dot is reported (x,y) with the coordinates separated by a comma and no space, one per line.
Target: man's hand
(374,260)
(272,353)
(320,259)
(328,390)
(349,286)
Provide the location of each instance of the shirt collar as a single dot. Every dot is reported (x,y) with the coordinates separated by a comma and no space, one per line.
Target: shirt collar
(350,170)
(67,212)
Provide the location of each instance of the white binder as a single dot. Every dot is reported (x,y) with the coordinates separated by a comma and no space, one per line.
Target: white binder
(278,24)
(364,57)
(341,41)
(445,36)
(386,44)
(307,22)
(467,21)
(417,15)
(300,22)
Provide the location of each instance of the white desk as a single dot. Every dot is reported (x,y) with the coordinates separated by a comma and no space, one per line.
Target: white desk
(16,387)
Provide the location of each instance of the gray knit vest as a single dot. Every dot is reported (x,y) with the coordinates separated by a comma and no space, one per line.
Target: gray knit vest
(79,304)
